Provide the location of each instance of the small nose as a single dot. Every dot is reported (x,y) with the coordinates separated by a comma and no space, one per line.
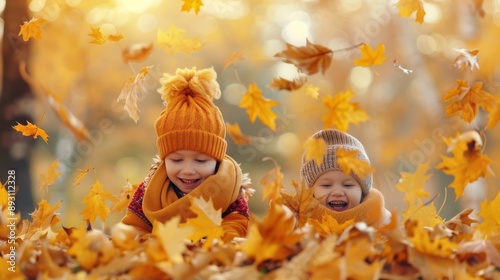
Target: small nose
(336,191)
(187,168)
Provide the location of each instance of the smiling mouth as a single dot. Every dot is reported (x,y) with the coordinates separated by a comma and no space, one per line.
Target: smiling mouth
(337,205)
(189,182)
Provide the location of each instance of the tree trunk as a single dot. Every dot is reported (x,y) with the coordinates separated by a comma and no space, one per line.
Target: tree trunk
(16,105)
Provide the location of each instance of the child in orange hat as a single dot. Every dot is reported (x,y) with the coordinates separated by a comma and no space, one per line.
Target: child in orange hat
(192,147)
(342,196)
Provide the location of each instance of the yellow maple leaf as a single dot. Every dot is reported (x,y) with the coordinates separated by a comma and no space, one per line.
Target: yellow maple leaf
(349,161)
(301,203)
(95,203)
(258,106)
(30,129)
(310,59)
(207,223)
(465,101)
(494,115)
(80,176)
(466,165)
(329,225)
(235,133)
(272,238)
(50,177)
(191,4)
(32,29)
(341,111)
(98,36)
(425,213)
(437,246)
(412,184)
(131,91)
(408,7)
(272,182)
(315,148)
(90,248)
(172,236)
(124,198)
(490,212)
(43,217)
(234,56)
(370,56)
(172,40)
(312,91)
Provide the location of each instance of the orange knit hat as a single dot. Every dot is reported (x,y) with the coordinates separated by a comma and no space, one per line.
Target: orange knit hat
(191,120)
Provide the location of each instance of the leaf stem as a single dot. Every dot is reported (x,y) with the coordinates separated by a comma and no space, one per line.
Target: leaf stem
(444,201)
(348,48)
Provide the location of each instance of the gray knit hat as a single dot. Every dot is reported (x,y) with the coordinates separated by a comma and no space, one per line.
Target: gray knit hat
(334,139)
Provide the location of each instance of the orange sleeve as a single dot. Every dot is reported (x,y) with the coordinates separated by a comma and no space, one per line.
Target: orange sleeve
(132,219)
(234,225)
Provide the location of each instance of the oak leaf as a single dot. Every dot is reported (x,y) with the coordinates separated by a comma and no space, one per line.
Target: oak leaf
(272,183)
(137,52)
(80,176)
(310,59)
(412,184)
(235,133)
(207,223)
(370,56)
(95,202)
(284,84)
(466,59)
(315,148)
(234,56)
(408,7)
(131,92)
(465,101)
(349,161)
(258,106)
(172,41)
(32,29)
(31,130)
(490,212)
(191,4)
(467,164)
(341,111)
(50,177)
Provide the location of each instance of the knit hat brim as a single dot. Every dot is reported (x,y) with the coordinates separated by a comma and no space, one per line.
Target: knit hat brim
(196,140)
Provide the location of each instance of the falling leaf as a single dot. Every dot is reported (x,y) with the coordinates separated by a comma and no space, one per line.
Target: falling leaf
(349,161)
(408,7)
(137,52)
(31,130)
(312,91)
(50,177)
(172,40)
(412,184)
(207,223)
(80,176)
(490,212)
(370,56)
(258,106)
(310,58)
(494,115)
(234,56)
(465,101)
(32,29)
(98,37)
(272,182)
(341,111)
(396,64)
(284,84)
(301,202)
(467,164)
(191,4)
(95,203)
(315,148)
(466,59)
(131,92)
(329,225)
(43,218)
(126,195)
(235,133)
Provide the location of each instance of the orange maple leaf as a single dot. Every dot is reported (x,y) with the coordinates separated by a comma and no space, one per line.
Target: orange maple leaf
(349,161)
(494,115)
(172,40)
(32,29)
(91,248)
(466,100)
(137,52)
(50,177)
(207,223)
(80,176)
(131,91)
(234,56)
(370,56)
(412,184)
(258,106)
(408,7)
(466,59)
(235,133)
(191,4)
(284,84)
(466,165)
(329,225)
(301,203)
(437,246)
(341,111)
(310,58)
(124,198)
(425,213)
(30,129)
(44,217)
(315,148)
(272,182)
(95,203)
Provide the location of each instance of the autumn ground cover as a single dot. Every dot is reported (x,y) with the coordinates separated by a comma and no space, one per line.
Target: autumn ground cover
(359,85)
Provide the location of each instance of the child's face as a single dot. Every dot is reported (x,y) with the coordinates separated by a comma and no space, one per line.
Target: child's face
(337,190)
(187,169)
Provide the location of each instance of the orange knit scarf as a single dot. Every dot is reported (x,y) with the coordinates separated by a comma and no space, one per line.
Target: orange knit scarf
(161,202)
